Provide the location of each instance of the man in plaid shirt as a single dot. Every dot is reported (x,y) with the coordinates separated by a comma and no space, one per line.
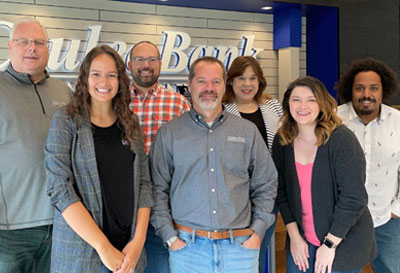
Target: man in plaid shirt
(154,105)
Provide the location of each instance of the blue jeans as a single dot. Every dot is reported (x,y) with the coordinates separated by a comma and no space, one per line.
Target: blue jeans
(157,253)
(388,241)
(25,250)
(202,255)
(262,263)
(291,267)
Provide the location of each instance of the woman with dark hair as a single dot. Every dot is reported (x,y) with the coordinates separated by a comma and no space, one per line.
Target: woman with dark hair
(97,173)
(245,97)
(321,193)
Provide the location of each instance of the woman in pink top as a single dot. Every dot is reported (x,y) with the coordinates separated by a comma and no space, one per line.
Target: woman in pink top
(321,193)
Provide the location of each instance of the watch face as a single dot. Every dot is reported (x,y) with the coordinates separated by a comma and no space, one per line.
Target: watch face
(328,243)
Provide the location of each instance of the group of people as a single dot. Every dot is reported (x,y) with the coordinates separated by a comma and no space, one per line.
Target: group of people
(83,173)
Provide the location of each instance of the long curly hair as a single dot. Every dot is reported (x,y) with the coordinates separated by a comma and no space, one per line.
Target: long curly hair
(327,119)
(390,83)
(81,99)
(237,68)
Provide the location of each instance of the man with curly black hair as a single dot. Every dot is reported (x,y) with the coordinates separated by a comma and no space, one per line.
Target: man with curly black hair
(363,88)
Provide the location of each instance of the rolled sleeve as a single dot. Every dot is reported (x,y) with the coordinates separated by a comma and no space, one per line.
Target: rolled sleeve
(59,176)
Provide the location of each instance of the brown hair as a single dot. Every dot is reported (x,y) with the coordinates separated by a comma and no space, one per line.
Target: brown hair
(237,68)
(390,84)
(80,102)
(207,59)
(327,119)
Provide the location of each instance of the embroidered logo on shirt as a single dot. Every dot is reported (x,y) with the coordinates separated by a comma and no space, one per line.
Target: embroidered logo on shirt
(236,139)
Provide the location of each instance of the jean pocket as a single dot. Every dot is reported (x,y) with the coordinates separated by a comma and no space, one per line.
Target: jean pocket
(184,236)
(240,240)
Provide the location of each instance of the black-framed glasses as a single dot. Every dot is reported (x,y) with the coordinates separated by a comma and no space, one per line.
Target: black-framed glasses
(150,60)
(23,42)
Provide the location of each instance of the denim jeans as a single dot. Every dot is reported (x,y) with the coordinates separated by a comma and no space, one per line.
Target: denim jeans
(157,253)
(291,267)
(262,263)
(388,241)
(25,250)
(202,255)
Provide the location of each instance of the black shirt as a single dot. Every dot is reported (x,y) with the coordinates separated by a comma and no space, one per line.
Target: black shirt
(115,167)
(257,119)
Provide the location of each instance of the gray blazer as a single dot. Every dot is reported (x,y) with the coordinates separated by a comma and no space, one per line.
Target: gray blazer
(72,176)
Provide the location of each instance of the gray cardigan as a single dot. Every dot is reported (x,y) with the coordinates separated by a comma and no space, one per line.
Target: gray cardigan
(72,176)
(339,198)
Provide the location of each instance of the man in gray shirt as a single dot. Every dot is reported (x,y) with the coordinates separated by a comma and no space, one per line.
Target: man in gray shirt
(215,182)
(28,99)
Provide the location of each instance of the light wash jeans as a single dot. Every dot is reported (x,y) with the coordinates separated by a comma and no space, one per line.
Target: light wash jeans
(25,250)
(388,241)
(157,253)
(291,267)
(202,255)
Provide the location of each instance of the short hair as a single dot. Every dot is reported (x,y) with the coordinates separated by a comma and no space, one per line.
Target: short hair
(390,83)
(207,59)
(237,68)
(144,42)
(26,20)
(327,119)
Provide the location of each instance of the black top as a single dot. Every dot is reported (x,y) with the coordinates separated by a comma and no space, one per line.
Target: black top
(115,167)
(257,119)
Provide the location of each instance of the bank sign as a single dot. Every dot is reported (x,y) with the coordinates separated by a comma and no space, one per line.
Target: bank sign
(176,51)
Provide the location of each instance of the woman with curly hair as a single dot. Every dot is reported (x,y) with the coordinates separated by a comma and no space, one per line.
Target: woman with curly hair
(321,193)
(97,173)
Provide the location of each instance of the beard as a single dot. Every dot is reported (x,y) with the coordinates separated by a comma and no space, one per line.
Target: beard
(208,104)
(366,112)
(145,81)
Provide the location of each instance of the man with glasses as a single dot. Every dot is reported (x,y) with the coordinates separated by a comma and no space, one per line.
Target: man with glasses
(154,105)
(29,97)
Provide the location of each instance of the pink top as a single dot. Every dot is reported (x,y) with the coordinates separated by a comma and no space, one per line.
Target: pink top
(304,173)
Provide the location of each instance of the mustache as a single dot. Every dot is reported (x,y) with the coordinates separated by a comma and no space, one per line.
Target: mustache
(146,69)
(208,92)
(362,99)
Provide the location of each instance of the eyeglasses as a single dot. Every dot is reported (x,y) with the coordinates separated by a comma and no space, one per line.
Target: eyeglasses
(140,60)
(22,42)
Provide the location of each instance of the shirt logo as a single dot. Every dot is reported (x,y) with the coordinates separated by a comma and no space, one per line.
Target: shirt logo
(236,139)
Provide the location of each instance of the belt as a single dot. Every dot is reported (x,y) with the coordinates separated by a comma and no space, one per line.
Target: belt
(217,234)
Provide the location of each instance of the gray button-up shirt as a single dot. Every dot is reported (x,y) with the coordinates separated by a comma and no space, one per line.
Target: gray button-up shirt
(212,178)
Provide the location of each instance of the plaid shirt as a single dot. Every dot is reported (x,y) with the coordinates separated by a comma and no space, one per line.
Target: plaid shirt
(155,108)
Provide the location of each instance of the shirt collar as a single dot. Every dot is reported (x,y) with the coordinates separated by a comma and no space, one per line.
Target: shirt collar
(154,91)
(199,118)
(383,113)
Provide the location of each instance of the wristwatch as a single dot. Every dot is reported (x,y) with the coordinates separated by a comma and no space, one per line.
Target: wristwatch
(171,240)
(329,243)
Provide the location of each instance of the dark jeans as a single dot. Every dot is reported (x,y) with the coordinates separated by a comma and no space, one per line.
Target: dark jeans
(262,263)
(157,253)
(25,250)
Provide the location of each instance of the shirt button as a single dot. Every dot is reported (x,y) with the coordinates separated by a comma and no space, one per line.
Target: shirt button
(210,131)
(211,149)
(212,169)
(213,190)
(214,211)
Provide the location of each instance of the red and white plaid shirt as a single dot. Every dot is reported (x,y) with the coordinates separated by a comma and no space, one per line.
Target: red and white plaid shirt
(155,108)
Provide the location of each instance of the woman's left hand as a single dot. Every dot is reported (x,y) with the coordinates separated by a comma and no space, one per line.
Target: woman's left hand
(132,254)
(324,259)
